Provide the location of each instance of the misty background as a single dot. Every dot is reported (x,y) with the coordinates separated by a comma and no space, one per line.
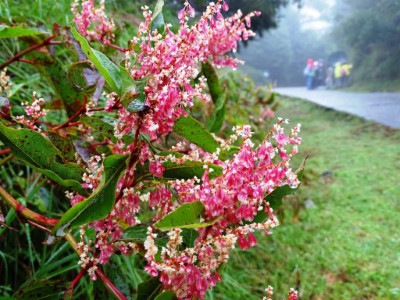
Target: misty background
(365,33)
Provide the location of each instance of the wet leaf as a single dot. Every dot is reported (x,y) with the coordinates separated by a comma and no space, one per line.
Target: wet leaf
(98,205)
(138,234)
(18,31)
(157,20)
(189,236)
(195,133)
(189,169)
(110,71)
(39,153)
(167,295)
(105,129)
(188,215)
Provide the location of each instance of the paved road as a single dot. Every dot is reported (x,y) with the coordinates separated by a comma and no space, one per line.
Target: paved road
(383,108)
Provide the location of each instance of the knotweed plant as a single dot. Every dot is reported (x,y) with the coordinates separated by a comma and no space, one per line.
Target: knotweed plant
(143,176)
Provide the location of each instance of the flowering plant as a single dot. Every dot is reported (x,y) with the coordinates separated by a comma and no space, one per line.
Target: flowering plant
(184,206)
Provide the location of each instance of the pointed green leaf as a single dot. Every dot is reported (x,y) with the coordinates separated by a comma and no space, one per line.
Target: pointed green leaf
(189,236)
(157,20)
(133,98)
(188,169)
(195,133)
(167,295)
(188,215)
(212,81)
(110,71)
(100,203)
(39,153)
(18,31)
(216,120)
(149,289)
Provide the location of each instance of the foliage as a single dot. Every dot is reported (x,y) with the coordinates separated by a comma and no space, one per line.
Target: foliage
(370,31)
(98,137)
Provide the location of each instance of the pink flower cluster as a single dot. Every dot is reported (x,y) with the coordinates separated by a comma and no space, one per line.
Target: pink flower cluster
(231,200)
(92,22)
(170,62)
(34,112)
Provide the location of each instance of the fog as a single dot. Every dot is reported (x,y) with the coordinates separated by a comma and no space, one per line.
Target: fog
(366,32)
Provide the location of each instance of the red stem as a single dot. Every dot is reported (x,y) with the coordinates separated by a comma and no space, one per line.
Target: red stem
(110,286)
(66,123)
(27,61)
(70,290)
(25,212)
(17,56)
(5,151)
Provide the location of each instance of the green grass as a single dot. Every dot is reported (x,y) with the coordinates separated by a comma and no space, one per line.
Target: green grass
(348,246)
(374,86)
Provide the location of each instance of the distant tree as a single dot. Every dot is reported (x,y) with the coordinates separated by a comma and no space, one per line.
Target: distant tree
(370,31)
(269,10)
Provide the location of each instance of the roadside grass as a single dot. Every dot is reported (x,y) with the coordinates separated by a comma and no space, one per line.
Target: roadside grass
(374,86)
(347,246)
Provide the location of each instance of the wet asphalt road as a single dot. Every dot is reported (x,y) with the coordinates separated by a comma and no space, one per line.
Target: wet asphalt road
(383,108)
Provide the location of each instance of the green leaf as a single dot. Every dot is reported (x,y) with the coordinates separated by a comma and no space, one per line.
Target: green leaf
(42,289)
(100,203)
(39,153)
(133,98)
(188,169)
(53,71)
(18,31)
(167,295)
(110,71)
(189,236)
(188,215)
(149,289)
(126,78)
(275,197)
(216,119)
(81,81)
(105,129)
(138,234)
(157,20)
(195,133)
(212,81)
(65,145)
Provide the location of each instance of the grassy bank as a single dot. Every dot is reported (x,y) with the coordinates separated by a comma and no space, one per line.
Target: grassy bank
(374,86)
(339,238)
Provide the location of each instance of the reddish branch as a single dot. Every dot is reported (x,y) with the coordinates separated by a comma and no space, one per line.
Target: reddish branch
(5,151)
(110,286)
(17,56)
(25,212)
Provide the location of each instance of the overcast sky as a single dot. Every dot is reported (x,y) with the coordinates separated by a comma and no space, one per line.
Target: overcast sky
(312,18)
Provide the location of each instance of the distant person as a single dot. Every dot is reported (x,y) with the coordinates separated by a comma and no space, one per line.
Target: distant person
(309,72)
(320,73)
(330,78)
(338,75)
(346,70)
